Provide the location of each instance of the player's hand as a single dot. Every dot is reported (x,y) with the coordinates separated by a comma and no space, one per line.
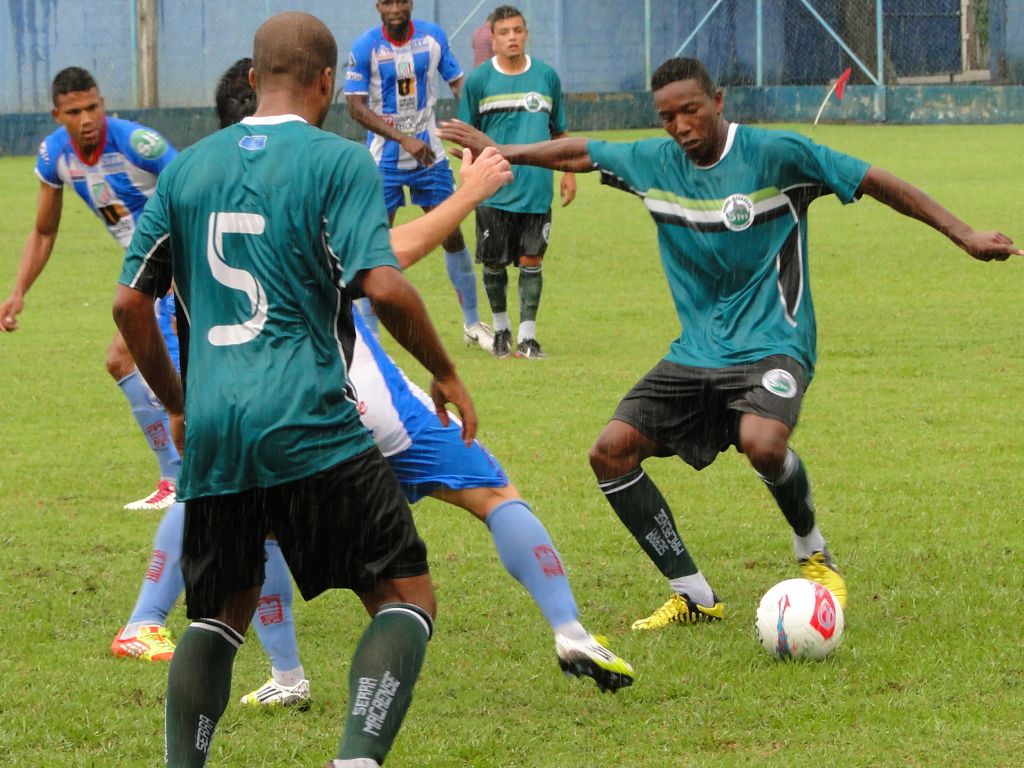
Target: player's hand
(568,188)
(9,312)
(177,421)
(419,149)
(990,246)
(465,135)
(451,390)
(485,175)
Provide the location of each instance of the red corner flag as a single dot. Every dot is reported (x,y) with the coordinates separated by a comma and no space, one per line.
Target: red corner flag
(841,83)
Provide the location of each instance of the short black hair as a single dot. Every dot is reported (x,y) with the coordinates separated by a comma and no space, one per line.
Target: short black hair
(503,12)
(682,68)
(71,80)
(235,97)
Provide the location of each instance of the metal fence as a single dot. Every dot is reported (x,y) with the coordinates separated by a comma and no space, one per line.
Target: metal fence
(596,45)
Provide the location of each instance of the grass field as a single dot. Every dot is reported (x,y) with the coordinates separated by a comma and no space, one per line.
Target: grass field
(911,434)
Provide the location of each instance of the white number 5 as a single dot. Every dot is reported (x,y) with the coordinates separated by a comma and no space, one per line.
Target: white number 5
(238,279)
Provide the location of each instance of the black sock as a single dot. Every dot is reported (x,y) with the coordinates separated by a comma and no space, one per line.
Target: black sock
(496,286)
(792,492)
(198,689)
(643,510)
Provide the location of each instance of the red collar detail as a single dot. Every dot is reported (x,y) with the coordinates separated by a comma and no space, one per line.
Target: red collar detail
(100,145)
(399,43)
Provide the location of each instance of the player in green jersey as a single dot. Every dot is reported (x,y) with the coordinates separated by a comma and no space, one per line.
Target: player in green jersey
(516,99)
(730,203)
(269,228)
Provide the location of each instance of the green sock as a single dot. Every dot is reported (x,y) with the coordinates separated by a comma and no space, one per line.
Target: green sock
(792,492)
(198,689)
(496,286)
(644,511)
(531,282)
(384,669)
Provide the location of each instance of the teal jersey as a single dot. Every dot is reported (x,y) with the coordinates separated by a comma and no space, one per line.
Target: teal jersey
(733,237)
(267,224)
(517,109)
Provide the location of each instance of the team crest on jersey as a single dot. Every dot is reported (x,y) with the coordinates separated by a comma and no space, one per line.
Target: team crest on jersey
(533,102)
(253,143)
(780,382)
(149,144)
(738,212)
(101,193)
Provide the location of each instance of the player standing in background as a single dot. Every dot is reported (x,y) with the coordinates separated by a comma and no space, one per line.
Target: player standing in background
(730,202)
(112,164)
(391,89)
(273,440)
(516,99)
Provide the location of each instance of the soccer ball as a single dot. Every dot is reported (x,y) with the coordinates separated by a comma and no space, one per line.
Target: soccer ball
(799,619)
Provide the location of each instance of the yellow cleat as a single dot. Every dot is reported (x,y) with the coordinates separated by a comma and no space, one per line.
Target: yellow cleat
(820,568)
(151,643)
(592,658)
(680,609)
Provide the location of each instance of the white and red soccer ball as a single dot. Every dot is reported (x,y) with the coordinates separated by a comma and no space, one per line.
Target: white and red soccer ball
(799,619)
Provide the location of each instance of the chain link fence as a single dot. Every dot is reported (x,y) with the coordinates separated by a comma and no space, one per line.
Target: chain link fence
(596,45)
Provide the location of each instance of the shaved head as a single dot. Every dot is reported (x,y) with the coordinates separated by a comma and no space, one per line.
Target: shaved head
(293,46)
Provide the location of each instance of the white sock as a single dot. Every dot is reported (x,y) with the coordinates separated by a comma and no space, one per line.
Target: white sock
(288,677)
(501,322)
(133,629)
(695,587)
(805,546)
(572,630)
(527,330)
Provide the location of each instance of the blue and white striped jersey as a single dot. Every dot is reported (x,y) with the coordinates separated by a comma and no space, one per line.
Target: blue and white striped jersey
(399,81)
(117,183)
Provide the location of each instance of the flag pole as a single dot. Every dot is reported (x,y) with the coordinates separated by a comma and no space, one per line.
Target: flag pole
(825,102)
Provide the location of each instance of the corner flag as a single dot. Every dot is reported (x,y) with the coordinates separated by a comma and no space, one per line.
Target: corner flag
(837,87)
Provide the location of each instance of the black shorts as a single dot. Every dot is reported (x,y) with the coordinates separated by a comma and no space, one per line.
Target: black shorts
(503,236)
(695,412)
(347,527)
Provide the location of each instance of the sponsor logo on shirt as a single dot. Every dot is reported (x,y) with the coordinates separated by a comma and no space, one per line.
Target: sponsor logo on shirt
(112,161)
(738,212)
(149,144)
(44,154)
(533,102)
(350,75)
(385,54)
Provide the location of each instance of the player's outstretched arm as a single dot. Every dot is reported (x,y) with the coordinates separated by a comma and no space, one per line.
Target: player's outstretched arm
(34,255)
(359,109)
(481,178)
(558,154)
(913,202)
(402,312)
(136,320)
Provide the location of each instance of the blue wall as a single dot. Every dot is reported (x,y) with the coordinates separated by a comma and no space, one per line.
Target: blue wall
(596,45)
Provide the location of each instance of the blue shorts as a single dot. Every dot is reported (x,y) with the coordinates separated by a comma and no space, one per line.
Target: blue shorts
(438,458)
(164,315)
(428,186)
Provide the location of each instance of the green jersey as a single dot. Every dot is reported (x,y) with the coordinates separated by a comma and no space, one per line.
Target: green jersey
(517,109)
(268,223)
(733,237)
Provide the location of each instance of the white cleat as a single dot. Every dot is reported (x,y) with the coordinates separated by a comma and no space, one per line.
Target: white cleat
(479,333)
(273,694)
(163,497)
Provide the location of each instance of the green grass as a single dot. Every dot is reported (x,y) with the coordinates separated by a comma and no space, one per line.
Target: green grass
(911,434)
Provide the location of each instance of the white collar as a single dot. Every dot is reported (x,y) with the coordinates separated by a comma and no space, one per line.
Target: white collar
(272,119)
(529,62)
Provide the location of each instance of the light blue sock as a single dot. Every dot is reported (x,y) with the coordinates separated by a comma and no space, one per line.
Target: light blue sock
(460,272)
(163,581)
(529,555)
(365,309)
(273,620)
(152,420)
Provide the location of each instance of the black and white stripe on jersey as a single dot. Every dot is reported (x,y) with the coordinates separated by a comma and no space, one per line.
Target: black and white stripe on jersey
(707,215)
